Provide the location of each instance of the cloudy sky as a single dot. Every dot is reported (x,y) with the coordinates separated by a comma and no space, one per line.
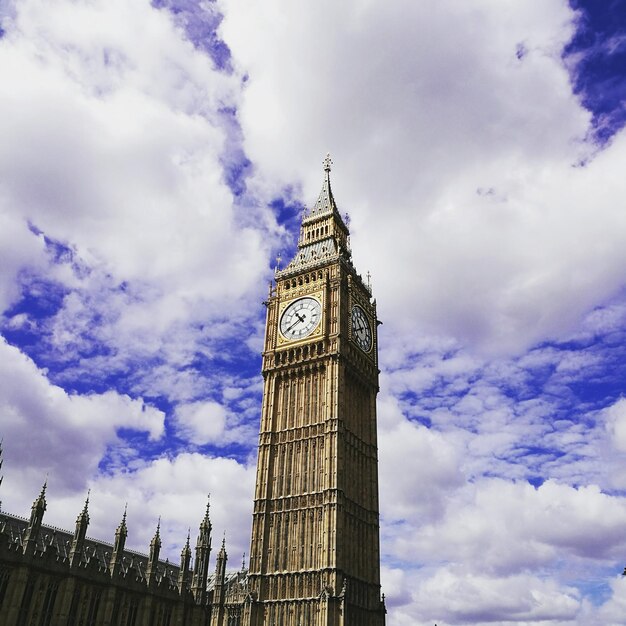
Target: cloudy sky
(155,159)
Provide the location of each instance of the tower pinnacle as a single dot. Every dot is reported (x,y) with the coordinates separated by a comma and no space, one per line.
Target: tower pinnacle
(86,503)
(82,521)
(118,546)
(325,202)
(36,516)
(185,559)
(203,551)
(155,549)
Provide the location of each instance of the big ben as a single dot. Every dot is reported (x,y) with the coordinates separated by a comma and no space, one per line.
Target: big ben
(314,557)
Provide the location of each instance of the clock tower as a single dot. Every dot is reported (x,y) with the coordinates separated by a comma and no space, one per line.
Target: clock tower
(314,556)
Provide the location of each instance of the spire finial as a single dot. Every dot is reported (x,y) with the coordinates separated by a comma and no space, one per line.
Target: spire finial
(41,498)
(87,501)
(327,162)
(158,526)
(124,516)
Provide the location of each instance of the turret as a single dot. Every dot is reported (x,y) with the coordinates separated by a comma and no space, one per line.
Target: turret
(217,611)
(203,551)
(118,547)
(185,560)
(153,559)
(34,525)
(78,542)
(220,565)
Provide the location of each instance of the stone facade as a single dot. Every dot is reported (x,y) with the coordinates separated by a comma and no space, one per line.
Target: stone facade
(314,556)
(49,577)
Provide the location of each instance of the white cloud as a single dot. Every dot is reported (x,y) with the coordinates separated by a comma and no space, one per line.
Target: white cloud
(486,559)
(113,146)
(616,424)
(201,422)
(452,597)
(454,157)
(497,527)
(19,248)
(175,489)
(418,470)
(48,431)
(613,610)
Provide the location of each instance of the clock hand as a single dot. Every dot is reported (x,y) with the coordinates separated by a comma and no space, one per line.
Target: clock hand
(299,320)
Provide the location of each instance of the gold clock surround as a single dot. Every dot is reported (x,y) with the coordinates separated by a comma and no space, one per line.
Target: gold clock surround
(315,334)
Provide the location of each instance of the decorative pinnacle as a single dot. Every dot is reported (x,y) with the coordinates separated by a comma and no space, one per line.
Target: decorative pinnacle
(187,548)
(83,516)
(40,501)
(327,162)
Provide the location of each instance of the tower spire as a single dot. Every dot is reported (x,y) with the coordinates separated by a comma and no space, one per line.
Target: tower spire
(36,517)
(82,521)
(153,559)
(324,236)
(219,594)
(118,547)
(185,559)
(203,551)
(325,201)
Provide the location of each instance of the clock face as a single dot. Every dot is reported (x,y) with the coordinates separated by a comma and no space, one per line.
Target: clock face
(300,318)
(361,330)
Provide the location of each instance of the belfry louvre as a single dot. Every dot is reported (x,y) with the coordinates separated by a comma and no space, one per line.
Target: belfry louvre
(314,554)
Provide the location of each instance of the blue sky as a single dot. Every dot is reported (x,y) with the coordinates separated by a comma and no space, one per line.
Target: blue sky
(155,160)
